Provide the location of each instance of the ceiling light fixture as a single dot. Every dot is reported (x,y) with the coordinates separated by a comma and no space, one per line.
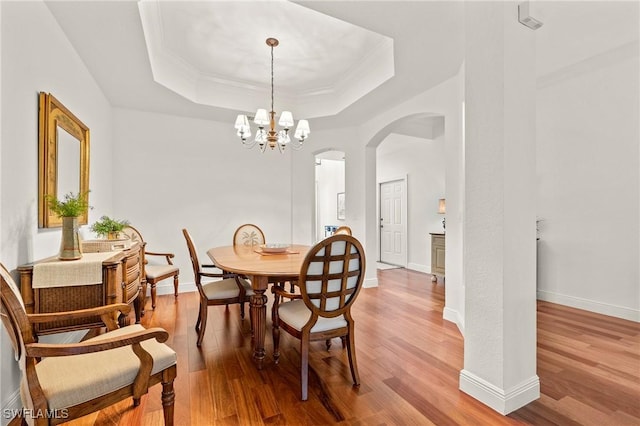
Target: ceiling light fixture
(272,138)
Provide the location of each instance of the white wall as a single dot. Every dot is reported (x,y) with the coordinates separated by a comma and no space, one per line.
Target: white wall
(423,162)
(36,56)
(176,172)
(349,141)
(330,181)
(589,185)
(173,172)
(444,100)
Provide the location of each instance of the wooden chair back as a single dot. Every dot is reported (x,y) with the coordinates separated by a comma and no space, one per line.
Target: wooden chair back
(248,235)
(14,316)
(155,270)
(195,263)
(331,276)
(343,230)
(133,233)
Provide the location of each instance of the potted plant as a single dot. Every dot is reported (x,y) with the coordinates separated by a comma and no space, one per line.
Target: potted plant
(108,227)
(72,205)
(69,208)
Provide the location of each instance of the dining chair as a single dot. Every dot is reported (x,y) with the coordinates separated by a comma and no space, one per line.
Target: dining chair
(230,289)
(330,280)
(154,271)
(251,235)
(248,235)
(61,382)
(343,230)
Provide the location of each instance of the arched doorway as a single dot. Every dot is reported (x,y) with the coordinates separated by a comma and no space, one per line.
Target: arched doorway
(410,179)
(330,198)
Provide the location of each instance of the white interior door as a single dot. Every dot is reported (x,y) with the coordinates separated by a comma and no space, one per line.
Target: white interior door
(393,222)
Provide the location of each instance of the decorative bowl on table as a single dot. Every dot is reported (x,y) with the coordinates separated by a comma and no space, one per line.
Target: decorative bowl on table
(274,248)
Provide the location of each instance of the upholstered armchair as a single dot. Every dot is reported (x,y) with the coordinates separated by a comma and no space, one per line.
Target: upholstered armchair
(61,382)
(154,271)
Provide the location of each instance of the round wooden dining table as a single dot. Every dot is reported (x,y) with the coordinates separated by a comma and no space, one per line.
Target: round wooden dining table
(261,268)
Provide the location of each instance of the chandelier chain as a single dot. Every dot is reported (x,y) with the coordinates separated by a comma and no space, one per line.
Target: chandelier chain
(271,77)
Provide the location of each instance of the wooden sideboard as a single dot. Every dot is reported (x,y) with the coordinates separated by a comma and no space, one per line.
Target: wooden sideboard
(121,282)
(437,255)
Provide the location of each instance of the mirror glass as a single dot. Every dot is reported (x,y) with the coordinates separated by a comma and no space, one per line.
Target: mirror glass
(68,169)
(63,158)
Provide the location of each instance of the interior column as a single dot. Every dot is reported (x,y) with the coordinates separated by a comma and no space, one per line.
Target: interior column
(499,229)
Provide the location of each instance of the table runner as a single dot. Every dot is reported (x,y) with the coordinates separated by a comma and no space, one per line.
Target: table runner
(53,272)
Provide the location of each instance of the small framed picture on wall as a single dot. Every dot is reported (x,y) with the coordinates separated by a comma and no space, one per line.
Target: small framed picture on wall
(340,205)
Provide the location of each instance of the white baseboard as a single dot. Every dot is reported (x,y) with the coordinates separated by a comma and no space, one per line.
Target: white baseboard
(590,305)
(370,282)
(419,268)
(167,288)
(454,316)
(501,400)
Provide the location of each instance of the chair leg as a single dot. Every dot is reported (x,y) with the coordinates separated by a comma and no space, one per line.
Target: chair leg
(175,285)
(328,343)
(168,397)
(275,332)
(351,351)
(203,322)
(344,341)
(304,366)
(137,308)
(153,295)
(199,319)
(241,310)
(143,296)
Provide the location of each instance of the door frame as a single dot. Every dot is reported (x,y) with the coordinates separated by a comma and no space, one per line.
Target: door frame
(405,215)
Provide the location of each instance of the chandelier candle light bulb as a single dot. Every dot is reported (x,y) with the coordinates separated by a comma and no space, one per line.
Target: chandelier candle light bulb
(271,137)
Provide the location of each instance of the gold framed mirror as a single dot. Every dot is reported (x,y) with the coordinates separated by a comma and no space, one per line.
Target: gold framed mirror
(63,158)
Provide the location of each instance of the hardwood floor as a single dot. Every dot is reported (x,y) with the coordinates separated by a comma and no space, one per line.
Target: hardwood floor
(409,360)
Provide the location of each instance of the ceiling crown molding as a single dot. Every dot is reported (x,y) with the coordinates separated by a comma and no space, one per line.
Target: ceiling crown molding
(325,64)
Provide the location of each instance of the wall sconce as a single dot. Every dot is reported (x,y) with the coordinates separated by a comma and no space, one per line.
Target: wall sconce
(442,209)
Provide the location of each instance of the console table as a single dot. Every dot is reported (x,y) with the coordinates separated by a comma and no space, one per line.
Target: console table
(97,279)
(437,255)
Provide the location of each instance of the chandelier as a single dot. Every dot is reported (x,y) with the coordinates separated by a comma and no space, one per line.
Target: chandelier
(271,137)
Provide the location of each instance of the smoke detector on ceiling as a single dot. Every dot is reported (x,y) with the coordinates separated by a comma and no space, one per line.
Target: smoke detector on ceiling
(525,19)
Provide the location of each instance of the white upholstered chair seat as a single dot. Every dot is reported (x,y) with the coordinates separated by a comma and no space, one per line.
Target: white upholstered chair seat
(72,380)
(296,314)
(157,271)
(225,289)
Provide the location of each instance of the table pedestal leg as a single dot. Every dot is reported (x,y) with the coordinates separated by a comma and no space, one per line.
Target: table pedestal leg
(259,318)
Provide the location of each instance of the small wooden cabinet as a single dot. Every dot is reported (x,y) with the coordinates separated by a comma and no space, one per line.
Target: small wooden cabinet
(121,282)
(437,255)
